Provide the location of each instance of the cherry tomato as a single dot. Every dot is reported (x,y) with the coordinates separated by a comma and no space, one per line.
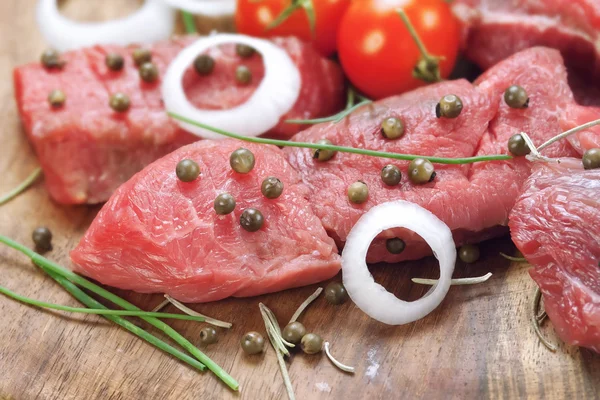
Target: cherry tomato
(377,51)
(252,18)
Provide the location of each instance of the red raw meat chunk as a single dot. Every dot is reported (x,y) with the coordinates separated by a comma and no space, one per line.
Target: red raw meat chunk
(474,201)
(87,150)
(158,234)
(496,29)
(556,225)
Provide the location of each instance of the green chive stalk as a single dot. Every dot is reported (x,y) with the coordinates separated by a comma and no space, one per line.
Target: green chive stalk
(153,340)
(22,186)
(78,280)
(122,313)
(343,149)
(189,22)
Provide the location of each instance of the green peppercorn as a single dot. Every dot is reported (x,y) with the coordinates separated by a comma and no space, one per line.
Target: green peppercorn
(469,253)
(517,145)
(208,335)
(395,245)
(243,75)
(251,219)
(272,187)
(148,72)
(187,170)
(358,192)
(450,106)
(242,160)
(335,293)
(119,102)
(204,64)
(114,61)
(391,175)
(311,343)
(516,97)
(323,155)
(141,56)
(421,170)
(51,59)
(42,238)
(244,51)
(57,98)
(591,158)
(392,128)
(252,343)
(293,332)
(224,204)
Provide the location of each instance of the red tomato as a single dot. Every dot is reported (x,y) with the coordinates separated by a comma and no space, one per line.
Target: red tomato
(252,18)
(377,52)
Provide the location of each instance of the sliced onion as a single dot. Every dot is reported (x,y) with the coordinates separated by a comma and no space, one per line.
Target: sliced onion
(154,21)
(210,8)
(274,97)
(373,298)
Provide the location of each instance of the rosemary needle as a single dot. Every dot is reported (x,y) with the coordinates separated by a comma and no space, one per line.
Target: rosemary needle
(305,304)
(455,282)
(189,311)
(535,320)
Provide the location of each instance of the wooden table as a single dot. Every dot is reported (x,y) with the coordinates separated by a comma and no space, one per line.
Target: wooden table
(477,344)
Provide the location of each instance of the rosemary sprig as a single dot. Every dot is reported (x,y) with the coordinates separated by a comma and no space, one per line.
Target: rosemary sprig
(136,330)
(343,149)
(189,311)
(78,280)
(305,304)
(274,334)
(343,367)
(189,22)
(161,305)
(455,282)
(21,187)
(122,313)
(537,318)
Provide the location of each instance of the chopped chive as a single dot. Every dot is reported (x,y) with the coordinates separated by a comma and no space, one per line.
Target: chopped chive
(22,186)
(136,330)
(73,277)
(189,22)
(43,304)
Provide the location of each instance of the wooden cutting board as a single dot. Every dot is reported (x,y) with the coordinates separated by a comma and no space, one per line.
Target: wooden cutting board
(478,344)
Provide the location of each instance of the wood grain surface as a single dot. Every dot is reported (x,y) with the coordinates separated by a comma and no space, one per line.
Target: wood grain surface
(477,344)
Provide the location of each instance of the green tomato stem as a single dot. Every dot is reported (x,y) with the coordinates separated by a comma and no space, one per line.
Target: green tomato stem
(73,277)
(123,313)
(343,149)
(153,340)
(22,186)
(189,22)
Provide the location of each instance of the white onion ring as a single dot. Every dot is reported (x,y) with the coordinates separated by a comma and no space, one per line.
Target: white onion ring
(274,97)
(154,21)
(373,298)
(209,8)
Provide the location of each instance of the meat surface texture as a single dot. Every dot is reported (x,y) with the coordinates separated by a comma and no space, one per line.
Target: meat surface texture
(158,234)
(496,29)
(473,200)
(556,225)
(87,150)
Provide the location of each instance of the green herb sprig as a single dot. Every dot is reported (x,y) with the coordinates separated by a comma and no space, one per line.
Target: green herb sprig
(21,187)
(189,22)
(56,269)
